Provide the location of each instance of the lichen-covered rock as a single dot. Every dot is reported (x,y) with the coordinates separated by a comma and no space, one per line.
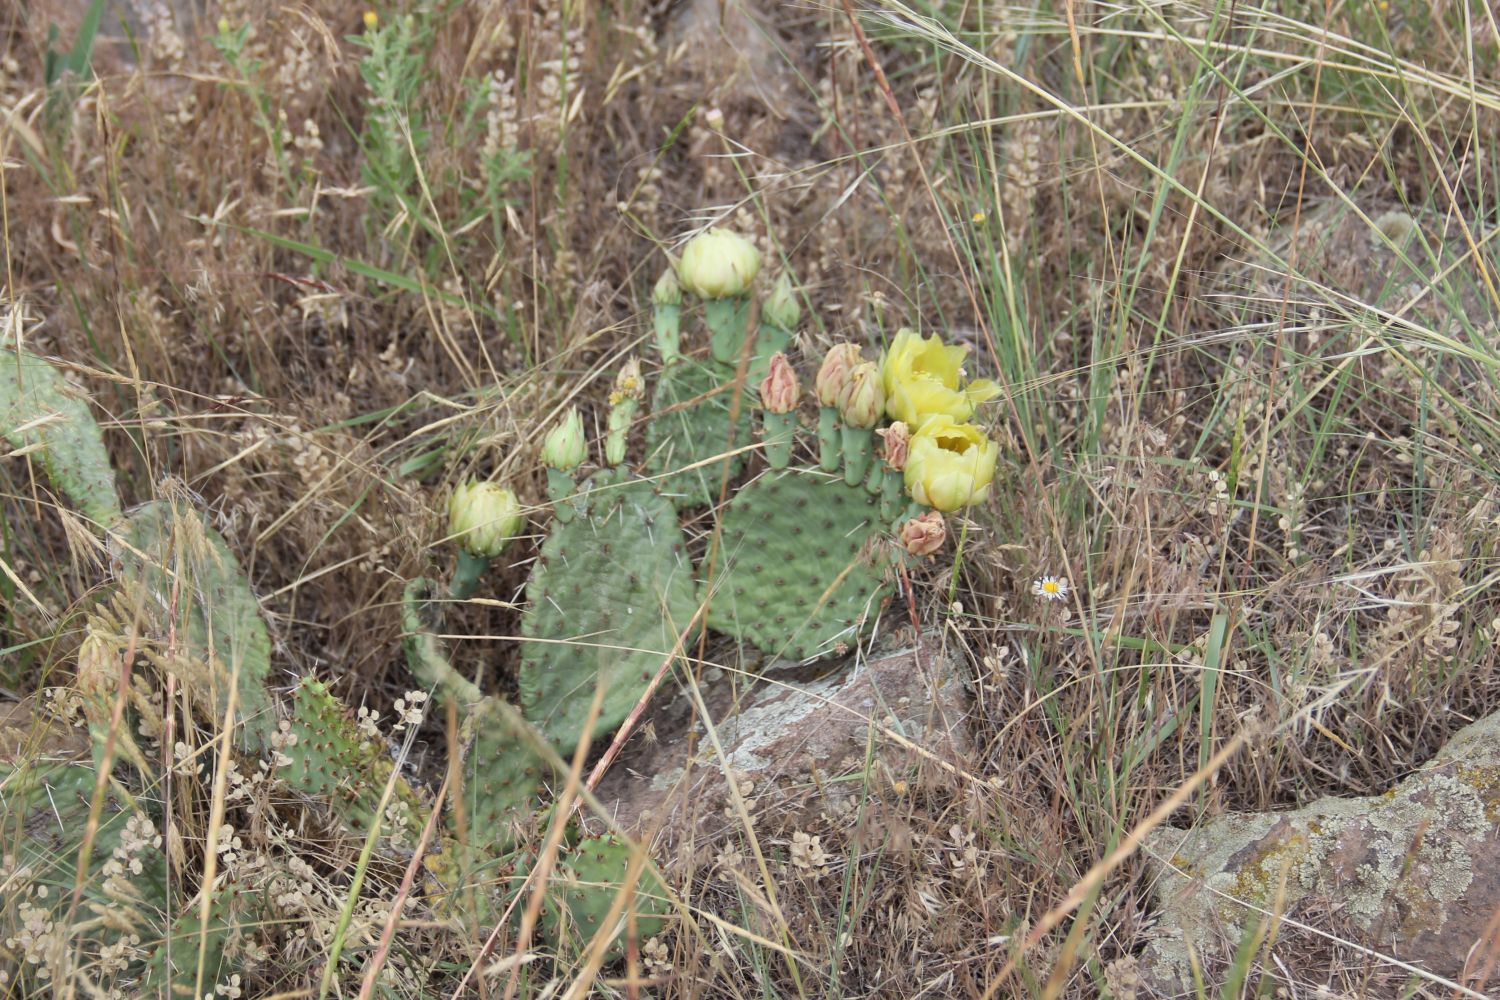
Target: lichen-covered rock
(675,784)
(1409,873)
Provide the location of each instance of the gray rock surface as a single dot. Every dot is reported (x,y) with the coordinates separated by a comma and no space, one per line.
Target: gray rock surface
(776,729)
(733,44)
(1413,874)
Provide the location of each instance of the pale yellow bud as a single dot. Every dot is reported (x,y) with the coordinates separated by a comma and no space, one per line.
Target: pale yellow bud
(564,447)
(718,264)
(782,307)
(861,401)
(667,291)
(483,517)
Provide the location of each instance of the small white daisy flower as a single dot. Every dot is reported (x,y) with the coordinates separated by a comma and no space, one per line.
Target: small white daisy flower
(1050,588)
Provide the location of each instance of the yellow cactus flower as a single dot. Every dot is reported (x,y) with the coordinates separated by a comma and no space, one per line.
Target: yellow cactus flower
(372,20)
(949,465)
(922,377)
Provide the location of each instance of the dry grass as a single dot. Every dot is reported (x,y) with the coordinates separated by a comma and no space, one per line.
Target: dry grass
(1235,265)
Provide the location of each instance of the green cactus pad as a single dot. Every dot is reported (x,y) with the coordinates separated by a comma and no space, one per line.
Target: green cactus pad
(45,809)
(502,777)
(585,888)
(179,564)
(39,410)
(683,433)
(48,803)
(797,574)
(609,594)
(333,759)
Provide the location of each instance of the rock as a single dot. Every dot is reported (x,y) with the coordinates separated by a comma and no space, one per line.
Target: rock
(28,733)
(786,725)
(1339,251)
(729,46)
(1410,873)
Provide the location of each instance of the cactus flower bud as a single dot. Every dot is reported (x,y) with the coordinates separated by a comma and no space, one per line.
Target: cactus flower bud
(897,438)
(564,447)
(667,291)
(835,372)
(862,399)
(718,264)
(628,384)
(781,307)
(483,517)
(779,390)
(924,535)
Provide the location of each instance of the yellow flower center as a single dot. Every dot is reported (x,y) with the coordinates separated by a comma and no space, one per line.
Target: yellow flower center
(958,443)
(1051,587)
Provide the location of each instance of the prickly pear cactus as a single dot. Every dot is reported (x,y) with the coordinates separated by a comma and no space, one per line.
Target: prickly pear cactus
(609,595)
(691,426)
(694,400)
(503,776)
(332,759)
(39,411)
(46,807)
(588,884)
(502,773)
(799,572)
(183,568)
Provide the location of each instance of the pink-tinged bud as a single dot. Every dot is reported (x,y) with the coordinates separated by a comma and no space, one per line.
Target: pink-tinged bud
(924,535)
(861,401)
(897,438)
(835,372)
(779,390)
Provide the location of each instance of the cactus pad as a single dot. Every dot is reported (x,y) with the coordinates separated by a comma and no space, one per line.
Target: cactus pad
(585,889)
(609,595)
(797,573)
(333,759)
(184,568)
(502,777)
(40,411)
(698,431)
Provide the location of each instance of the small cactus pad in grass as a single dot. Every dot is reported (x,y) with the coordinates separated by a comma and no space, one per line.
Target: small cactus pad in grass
(798,573)
(41,413)
(609,595)
(333,759)
(185,570)
(586,888)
